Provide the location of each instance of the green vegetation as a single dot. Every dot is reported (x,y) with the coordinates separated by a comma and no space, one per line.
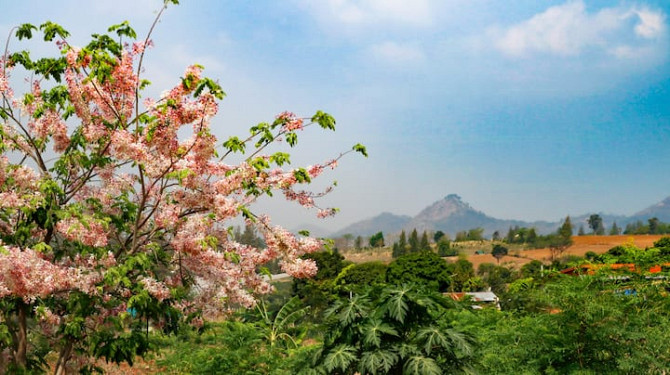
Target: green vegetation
(377,319)
(653,226)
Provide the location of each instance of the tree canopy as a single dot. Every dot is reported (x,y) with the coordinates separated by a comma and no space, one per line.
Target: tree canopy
(117,208)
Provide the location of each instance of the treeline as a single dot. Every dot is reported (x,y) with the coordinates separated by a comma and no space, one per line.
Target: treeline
(528,236)
(414,244)
(653,226)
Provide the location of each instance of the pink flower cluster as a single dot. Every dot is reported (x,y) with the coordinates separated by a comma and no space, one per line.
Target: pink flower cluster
(290,121)
(90,232)
(156,288)
(29,275)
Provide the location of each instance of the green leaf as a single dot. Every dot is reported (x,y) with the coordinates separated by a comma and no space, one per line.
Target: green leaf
(360,148)
(301,175)
(51,29)
(123,29)
(340,358)
(419,365)
(377,362)
(324,120)
(25,31)
(234,144)
(280,158)
(21,57)
(374,329)
(292,139)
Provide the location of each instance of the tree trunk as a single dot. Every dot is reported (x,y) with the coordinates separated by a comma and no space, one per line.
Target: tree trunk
(21,354)
(63,357)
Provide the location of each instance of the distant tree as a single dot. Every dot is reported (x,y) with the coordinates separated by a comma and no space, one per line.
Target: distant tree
(444,248)
(377,240)
(499,252)
(402,242)
(581,232)
(636,228)
(496,236)
(653,225)
(358,243)
(615,230)
(461,236)
(531,237)
(476,234)
(414,242)
(438,235)
(461,272)
(596,224)
(557,246)
(250,237)
(424,245)
(565,230)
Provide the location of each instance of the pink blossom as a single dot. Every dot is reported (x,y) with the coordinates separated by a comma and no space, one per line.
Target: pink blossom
(90,232)
(156,288)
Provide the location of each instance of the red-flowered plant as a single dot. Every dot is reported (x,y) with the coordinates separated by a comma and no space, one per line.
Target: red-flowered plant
(110,221)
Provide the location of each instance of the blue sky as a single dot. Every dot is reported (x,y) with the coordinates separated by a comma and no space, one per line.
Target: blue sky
(527,109)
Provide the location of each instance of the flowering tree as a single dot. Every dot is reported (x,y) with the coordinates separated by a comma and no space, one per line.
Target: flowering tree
(110,221)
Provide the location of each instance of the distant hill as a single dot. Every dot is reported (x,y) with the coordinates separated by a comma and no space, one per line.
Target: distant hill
(452,215)
(660,210)
(385,222)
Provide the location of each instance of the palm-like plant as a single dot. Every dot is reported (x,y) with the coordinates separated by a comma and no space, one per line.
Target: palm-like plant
(393,330)
(277,327)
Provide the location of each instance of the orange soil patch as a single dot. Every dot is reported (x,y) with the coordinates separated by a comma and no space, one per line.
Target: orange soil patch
(581,245)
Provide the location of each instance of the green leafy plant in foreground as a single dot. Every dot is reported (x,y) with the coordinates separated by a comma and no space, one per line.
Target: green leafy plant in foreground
(392,330)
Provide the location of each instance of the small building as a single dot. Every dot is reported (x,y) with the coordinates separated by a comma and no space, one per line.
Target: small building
(479,299)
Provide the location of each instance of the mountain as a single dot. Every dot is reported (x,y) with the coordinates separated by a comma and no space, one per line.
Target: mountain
(385,222)
(660,210)
(452,215)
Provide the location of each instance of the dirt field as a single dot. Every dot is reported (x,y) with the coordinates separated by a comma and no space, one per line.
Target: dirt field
(581,245)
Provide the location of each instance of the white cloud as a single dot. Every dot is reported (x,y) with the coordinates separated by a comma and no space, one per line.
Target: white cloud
(651,25)
(569,30)
(355,13)
(394,53)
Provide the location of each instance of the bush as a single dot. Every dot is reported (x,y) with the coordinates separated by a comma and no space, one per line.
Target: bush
(424,268)
(358,276)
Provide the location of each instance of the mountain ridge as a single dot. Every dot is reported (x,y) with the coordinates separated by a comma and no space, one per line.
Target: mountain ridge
(451,215)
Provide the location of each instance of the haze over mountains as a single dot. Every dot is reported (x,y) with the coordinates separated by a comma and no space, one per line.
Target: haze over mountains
(452,215)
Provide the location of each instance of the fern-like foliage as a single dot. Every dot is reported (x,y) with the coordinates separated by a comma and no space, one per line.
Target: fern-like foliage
(419,365)
(392,330)
(373,331)
(340,358)
(377,362)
